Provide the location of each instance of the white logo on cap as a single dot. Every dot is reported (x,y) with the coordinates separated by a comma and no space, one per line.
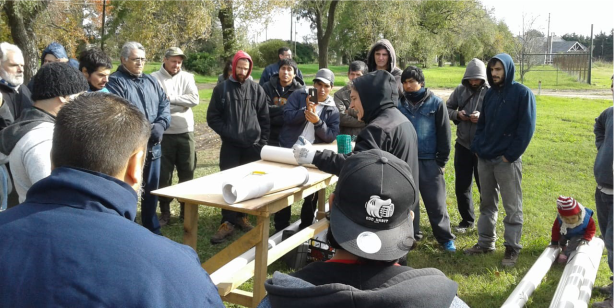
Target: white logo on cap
(368,242)
(379,209)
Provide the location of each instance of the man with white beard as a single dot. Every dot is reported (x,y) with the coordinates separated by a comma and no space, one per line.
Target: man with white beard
(15,96)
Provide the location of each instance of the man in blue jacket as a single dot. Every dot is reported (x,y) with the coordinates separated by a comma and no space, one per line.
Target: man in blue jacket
(74,243)
(505,128)
(144,92)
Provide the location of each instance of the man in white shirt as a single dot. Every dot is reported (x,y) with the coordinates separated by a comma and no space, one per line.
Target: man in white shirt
(178,149)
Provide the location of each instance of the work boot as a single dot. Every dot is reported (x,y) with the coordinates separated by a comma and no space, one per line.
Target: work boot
(463,227)
(244,224)
(225,230)
(477,249)
(510,258)
(607,290)
(608,303)
(165,214)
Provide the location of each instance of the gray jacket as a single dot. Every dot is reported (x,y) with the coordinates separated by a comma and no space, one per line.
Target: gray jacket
(350,125)
(469,99)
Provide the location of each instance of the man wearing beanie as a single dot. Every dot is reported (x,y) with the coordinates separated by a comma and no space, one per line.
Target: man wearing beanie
(146,93)
(239,113)
(26,144)
(464,106)
(370,229)
(429,116)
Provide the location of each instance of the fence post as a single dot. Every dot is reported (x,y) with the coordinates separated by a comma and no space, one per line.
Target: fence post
(539,87)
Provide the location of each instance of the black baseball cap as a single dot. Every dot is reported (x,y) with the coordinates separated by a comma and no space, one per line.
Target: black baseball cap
(370,213)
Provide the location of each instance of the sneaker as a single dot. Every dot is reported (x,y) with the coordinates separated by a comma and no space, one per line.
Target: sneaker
(477,249)
(418,236)
(510,258)
(605,289)
(463,227)
(608,303)
(449,246)
(226,229)
(244,224)
(165,219)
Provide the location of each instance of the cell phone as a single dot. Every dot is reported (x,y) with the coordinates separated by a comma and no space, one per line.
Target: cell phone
(314,95)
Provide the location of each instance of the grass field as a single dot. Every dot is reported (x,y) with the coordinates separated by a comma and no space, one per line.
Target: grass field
(558,161)
(450,76)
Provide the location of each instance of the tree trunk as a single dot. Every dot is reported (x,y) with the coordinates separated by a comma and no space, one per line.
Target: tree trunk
(227,20)
(324,36)
(440,61)
(462,60)
(23,35)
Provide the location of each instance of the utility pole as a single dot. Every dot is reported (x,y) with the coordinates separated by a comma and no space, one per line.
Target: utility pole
(291,15)
(590,58)
(548,42)
(104,13)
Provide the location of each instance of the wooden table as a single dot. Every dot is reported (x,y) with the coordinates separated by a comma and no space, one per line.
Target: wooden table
(207,191)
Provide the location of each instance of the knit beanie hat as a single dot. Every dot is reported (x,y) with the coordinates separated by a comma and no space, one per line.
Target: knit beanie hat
(568,206)
(57,79)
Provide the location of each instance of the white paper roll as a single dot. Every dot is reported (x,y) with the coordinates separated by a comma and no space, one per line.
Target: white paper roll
(257,185)
(279,155)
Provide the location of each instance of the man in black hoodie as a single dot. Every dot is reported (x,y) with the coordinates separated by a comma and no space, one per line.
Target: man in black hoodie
(370,229)
(278,89)
(373,96)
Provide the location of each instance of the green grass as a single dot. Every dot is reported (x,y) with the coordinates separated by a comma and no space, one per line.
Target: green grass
(559,161)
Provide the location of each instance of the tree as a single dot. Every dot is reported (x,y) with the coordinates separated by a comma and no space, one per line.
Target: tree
(321,15)
(21,16)
(531,41)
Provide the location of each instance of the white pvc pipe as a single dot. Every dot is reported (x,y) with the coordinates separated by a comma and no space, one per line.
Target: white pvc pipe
(532,279)
(248,256)
(574,288)
(258,184)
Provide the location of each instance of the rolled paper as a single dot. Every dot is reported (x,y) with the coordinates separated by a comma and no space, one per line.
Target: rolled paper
(258,184)
(279,155)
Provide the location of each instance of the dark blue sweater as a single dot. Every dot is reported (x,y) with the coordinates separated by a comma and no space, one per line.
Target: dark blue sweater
(74,243)
(507,120)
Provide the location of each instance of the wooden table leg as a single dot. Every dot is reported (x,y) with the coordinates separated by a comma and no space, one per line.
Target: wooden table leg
(321,204)
(190,224)
(260,263)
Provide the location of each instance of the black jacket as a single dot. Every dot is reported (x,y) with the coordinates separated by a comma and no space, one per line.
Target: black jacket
(331,284)
(276,101)
(387,128)
(15,102)
(240,115)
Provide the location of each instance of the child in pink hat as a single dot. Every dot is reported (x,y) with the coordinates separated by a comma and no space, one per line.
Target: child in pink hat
(574,226)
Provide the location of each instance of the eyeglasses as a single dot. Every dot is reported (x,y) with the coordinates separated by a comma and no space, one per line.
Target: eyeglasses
(136,60)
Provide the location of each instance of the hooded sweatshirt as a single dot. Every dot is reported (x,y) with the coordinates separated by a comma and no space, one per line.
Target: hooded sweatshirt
(26,146)
(74,243)
(392,62)
(333,284)
(386,127)
(278,96)
(239,112)
(603,140)
(58,51)
(507,120)
(465,97)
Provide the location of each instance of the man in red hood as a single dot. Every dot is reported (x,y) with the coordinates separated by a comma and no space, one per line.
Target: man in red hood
(239,113)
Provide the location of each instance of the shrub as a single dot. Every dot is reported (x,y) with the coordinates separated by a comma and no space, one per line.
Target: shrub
(202,63)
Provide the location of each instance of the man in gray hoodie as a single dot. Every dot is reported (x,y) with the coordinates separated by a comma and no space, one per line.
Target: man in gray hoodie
(382,56)
(464,106)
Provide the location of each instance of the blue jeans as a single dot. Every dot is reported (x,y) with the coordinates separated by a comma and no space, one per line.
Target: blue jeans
(149,202)
(603,203)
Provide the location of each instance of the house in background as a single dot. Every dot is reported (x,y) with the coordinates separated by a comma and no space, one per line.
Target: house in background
(559,45)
